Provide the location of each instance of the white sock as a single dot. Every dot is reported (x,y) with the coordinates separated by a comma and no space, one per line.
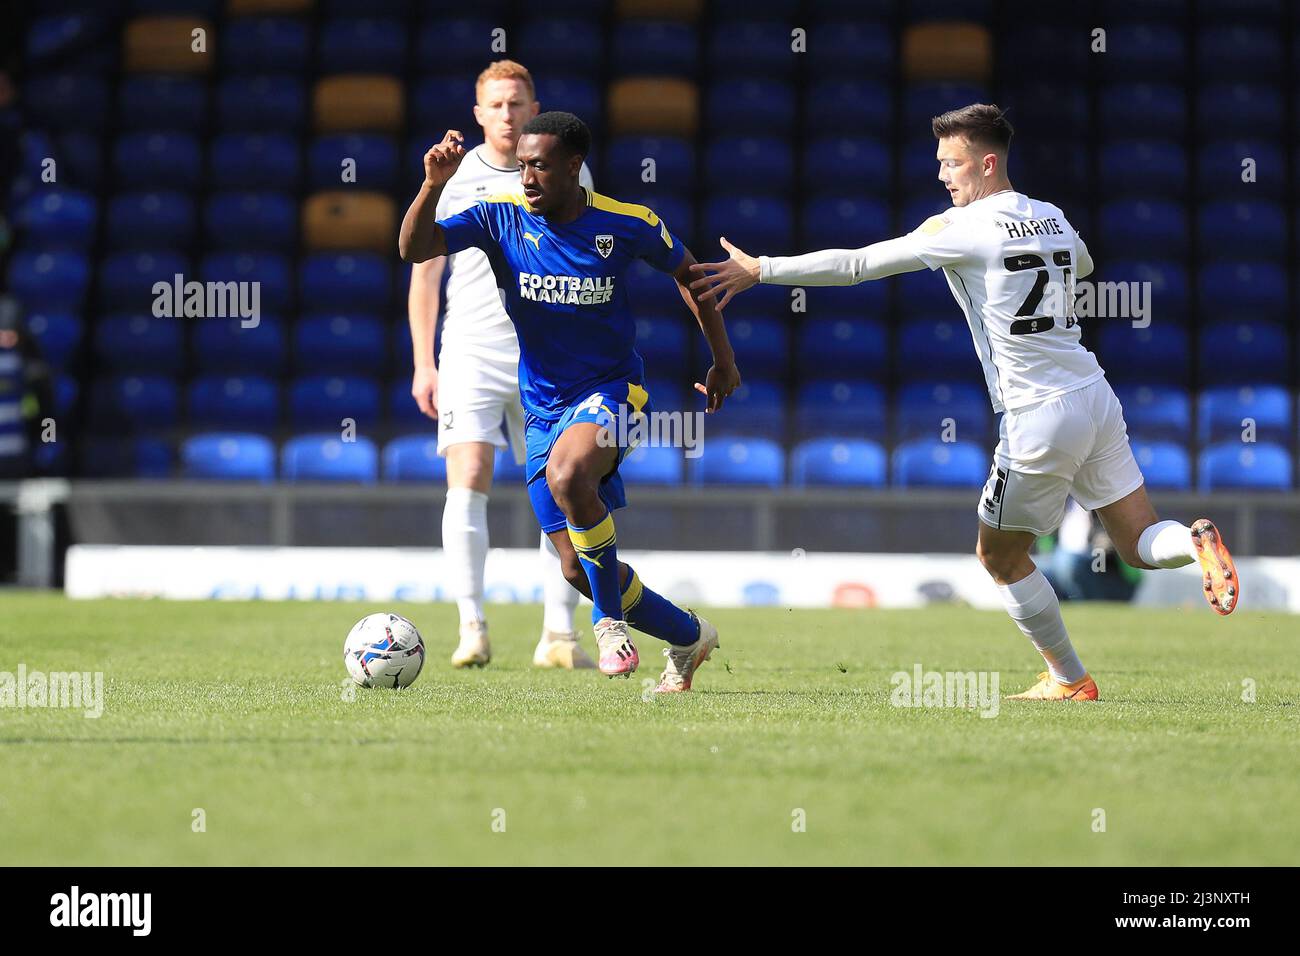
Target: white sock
(465,540)
(1167,544)
(1032,604)
(561,596)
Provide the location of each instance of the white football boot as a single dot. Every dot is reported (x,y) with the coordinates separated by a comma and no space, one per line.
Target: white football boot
(473,650)
(618,656)
(561,649)
(683,662)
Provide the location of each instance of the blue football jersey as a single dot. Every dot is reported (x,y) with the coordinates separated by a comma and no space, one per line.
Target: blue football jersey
(565,289)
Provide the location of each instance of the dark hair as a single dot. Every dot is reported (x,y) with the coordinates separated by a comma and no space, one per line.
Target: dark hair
(571,131)
(981,123)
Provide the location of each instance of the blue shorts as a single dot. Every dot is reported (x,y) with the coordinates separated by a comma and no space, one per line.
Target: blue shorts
(615,405)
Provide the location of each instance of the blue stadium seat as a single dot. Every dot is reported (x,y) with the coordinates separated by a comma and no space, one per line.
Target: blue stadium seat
(849,104)
(653,47)
(1062,168)
(66,393)
(244,402)
(924,409)
(134,402)
(58,219)
(140,343)
(841,407)
(746,106)
(1260,467)
(266,45)
(79,156)
(653,465)
(1256,229)
(751,48)
(1156,411)
(325,457)
(853,165)
(269,269)
(922,293)
(764,343)
(678,213)
(161,101)
(1042,106)
(1146,168)
(1243,50)
(662,341)
(261,104)
(756,407)
(68,100)
(349,281)
(126,279)
(674,164)
(652,292)
(1159,354)
(151,220)
(1168,300)
(82,37)
(1221,412)
(230,456)
(924,100)
(843,347)
(851,48)
(251,220)
(226,346)
(573,94)
(340,344)
(1146,51)
(157,161)
(930,201)
(935,348)
(461,46)
(403,413)
(361,45)
(140,457)
(928,462)
(740,461)
(48,280)
(751,164)
(751,222)
(1135,227)
(838,461)
(843,222)
(375,158)
(256,161)
(1241,109)
(1244,353)
(1244,290)
(58,334)
(548,44)
(507,470)
(918,169)
(437,104)
(414,458)
(1165,465)
(324,401)
(1220,169)
(1156,109)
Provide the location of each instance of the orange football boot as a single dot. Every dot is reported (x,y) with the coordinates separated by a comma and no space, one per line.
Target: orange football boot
(1048,688)
(1222,586)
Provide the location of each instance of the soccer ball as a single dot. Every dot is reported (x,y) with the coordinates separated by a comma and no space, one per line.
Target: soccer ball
(383,650)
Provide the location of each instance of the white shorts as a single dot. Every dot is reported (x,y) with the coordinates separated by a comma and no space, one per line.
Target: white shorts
(1073,445)
(475,395)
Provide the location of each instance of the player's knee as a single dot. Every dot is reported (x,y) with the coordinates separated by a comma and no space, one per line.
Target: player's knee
(568,481)
(996,561)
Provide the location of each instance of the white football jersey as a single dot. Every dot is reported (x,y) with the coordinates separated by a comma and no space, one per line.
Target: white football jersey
(474,318)
(1011,262)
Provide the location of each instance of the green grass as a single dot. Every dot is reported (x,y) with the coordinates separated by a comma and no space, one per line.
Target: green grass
(238,709)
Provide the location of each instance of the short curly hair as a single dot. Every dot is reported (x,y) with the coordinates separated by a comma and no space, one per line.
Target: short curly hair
(571,131)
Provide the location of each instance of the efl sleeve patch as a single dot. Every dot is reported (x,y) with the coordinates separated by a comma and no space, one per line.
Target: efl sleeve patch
(933,225)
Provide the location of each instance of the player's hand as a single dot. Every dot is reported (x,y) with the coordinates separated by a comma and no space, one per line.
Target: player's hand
(721,281)
(444,159)
(718,385)
(424,389)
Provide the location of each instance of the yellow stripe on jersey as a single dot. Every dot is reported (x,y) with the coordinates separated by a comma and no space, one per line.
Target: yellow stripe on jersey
(637,397)
(622,208)
(517,198)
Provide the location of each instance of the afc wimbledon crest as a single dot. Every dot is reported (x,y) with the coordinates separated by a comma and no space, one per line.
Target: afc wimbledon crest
(604,245)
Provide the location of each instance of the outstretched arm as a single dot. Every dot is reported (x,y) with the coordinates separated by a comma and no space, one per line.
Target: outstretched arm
(722,281)
(723,377)
(421,237)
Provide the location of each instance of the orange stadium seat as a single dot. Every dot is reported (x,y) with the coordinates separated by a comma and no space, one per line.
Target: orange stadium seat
(239,8)
(354,104)
(165,45)
(660,9)
(347,219)
(947,51)
(654,105)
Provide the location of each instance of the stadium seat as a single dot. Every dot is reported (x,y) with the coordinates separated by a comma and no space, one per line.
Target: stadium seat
(126,279)
(851,49)
(357,104)
(1168,300)
(663,106)
(244,402)
(59,335)
(163,102)
(323,401)
(1043,108)
(228,347)
(1144,168)
(752,48)
(261,104)
(547,46)
(1146,51)
(251,220)
(1244,290)
(925,410)
(1165,465)
(740,461)
(922,293)
(745,106)
(340,344)
(343,219)
(371,162)
(145,220)
(849,104)
(652,292)
(935,348)
(947,51)
(134,402)
(653,465)
(688,10)
(125,457)
(850,165)
(440,103)
(650,48)
(366,44)
(928,462)
(269,270)
(755,165)
(350,281)
(324,457)
(1135,227)
(624,167)
(1241,109)
(461,46)
(856,409)
(1258,467)
(414,458)
(1159,354)
(48,280)
(1220,169)
(230,456)
(843,222)
(850,348)
(764,343)
(1156,411)
(1159,110)
(403,412)
(157,161)
(164,45)
(935,97)
(577,95)
(66,101)
(1256,229)
(245,8)
(756,407)
(1242,50)
(58,219)
(266,45)
(751,222)
(662,341)
(140,343)
(1223,412)
(838,461)
(1244,353)
(83,37)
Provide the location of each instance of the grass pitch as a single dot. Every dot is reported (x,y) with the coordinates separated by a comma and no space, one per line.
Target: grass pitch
(239,710)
